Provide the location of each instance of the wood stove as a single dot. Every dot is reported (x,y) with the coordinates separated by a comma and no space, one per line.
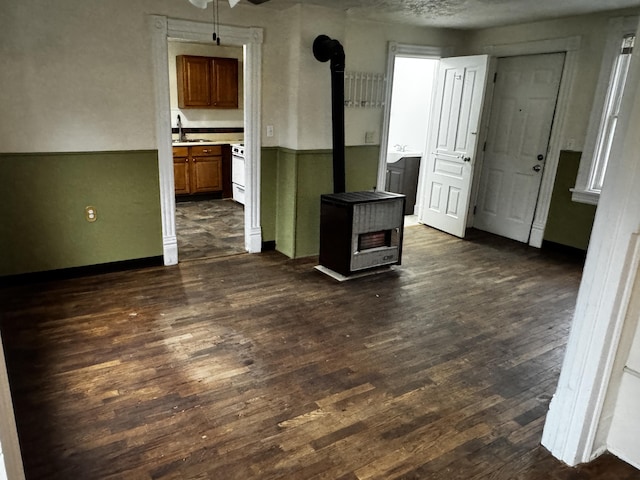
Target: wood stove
(358,230)
(361,230)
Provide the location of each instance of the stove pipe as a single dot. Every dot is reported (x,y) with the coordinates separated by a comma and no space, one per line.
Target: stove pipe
(324,49)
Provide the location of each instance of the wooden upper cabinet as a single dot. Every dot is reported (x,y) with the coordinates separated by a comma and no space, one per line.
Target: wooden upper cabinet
(207,82)
(224,93)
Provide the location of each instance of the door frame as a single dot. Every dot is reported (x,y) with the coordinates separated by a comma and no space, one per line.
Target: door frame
(570,46)
(485,123)
(402,50)
(161,29)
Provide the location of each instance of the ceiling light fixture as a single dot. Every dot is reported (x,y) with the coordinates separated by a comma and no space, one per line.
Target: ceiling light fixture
(232,3)
(216,16)
(203,3)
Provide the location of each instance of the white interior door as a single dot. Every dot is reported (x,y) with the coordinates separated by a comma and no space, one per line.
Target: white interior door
(524,103)
(453,143)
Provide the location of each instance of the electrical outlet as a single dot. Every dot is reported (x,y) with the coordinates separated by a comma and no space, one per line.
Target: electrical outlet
(90,214)
(269,130)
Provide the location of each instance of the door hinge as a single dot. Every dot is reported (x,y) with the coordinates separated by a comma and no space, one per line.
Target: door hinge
(495,77)
(484,147)
(475,209)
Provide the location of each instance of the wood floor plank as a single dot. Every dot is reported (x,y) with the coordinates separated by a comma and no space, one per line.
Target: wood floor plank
(256,366)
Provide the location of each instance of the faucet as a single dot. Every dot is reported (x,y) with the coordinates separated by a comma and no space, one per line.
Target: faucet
(181,135)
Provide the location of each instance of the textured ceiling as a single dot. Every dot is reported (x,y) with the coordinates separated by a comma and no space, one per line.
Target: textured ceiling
(465,14)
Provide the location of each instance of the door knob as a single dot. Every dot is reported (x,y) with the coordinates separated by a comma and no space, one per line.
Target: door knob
(537,168)
(540,157)
(467,159)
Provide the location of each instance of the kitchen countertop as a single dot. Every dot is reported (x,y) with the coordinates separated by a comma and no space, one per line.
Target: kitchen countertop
(206,142)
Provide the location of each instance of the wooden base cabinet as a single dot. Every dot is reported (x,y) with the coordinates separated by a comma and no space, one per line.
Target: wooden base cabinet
(181,170)
(197,169)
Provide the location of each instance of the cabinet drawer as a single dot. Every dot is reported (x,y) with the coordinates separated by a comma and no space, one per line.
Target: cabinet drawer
(206,150)
(180,151)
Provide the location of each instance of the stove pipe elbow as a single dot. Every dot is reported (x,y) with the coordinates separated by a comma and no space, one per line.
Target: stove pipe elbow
(325,49)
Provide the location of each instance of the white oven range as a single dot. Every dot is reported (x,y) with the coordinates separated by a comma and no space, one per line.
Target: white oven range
(237,172)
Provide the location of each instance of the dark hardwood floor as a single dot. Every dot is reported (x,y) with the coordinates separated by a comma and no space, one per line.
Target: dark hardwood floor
(259,367)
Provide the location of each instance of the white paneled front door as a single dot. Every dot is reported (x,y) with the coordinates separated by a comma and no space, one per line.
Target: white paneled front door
(453,143)
(522,113)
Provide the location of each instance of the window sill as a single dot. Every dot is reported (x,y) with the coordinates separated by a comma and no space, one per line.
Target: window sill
(590,197)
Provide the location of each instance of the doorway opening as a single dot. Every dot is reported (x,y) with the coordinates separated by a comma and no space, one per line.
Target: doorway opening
(411,75)
(250,39)
(410,110)
(450,140)
(209,221)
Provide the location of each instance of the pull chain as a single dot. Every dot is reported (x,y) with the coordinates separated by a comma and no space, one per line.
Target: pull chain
(216,21)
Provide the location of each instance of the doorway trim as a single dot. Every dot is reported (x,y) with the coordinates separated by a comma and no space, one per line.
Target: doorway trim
(400,50)
(570,46)
(162,29)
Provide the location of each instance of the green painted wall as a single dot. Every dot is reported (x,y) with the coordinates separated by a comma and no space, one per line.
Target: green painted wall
(315,177)
(42,206)
(286,190)
(268,193)
(569,222)
(43,197)
(302,176)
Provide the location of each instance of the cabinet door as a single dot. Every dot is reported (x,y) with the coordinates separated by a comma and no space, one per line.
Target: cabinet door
(207,174)
(181,175)
(225,83)
(395,178)
(194,81)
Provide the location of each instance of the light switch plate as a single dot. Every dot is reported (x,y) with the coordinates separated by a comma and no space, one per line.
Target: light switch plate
(369,137)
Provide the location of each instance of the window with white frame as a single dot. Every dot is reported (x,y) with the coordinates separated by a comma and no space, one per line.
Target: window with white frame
(610,114)
(606,107)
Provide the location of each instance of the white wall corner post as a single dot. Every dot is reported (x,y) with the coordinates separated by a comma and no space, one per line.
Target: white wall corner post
(253,122)
(159,49)
(572,429)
